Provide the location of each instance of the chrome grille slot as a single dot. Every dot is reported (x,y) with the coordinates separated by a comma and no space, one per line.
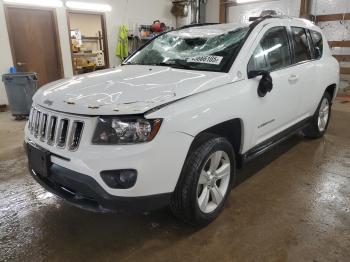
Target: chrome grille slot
(32,121)
(75,135)
(62,133)
(51,131)
(57,130)
(37,123)
(43,127)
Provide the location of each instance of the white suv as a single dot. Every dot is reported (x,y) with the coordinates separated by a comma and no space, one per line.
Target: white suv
(174,121)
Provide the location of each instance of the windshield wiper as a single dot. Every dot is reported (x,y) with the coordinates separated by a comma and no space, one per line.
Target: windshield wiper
(175,64)
(170,63)
(129,63)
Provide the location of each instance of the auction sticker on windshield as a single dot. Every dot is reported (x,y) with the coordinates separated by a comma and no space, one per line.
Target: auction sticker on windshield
(207,59)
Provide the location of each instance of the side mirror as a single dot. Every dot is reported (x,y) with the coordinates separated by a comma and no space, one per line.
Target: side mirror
(265,84)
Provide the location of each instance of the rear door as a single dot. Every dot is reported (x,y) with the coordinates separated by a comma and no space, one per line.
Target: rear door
(278,109)
(306,69)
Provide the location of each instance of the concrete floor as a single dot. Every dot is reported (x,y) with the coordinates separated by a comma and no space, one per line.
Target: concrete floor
(292,204)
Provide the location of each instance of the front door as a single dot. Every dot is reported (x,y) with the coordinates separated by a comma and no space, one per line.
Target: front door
(279,108)
(34,42)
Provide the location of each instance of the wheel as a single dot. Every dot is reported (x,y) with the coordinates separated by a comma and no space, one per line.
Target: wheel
(205,182)
(320,121)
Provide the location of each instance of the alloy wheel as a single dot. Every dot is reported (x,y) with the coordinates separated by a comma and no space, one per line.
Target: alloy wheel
(323,115)
(213,181)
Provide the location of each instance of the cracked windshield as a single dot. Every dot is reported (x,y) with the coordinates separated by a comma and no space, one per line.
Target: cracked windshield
(196,49)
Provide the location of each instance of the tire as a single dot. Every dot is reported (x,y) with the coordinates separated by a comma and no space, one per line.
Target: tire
(194,185)
(320,120)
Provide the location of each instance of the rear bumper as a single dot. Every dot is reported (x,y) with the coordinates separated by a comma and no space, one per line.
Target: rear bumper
(84,192)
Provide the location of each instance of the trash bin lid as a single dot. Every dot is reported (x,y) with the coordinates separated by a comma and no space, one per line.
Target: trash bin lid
(31,75)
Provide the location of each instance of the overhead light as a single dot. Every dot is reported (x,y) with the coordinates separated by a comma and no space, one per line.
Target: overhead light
(88,6)
(46,3)
(246,1)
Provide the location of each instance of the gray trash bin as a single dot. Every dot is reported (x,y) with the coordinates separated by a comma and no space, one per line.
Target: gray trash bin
(20,88)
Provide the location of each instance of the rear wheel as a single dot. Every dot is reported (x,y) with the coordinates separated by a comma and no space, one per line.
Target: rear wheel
(320,121)
(205,182)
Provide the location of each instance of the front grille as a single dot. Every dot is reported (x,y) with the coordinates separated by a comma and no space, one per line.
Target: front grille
(55,130)
(62,133)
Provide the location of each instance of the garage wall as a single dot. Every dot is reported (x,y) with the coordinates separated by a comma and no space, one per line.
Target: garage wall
(131,12)
(241,13)
(335,30)
(5,50)
(212,11)
(89,24)
(5,54)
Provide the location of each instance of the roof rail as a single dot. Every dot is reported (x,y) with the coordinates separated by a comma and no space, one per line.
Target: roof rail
(259,19)
(195,25)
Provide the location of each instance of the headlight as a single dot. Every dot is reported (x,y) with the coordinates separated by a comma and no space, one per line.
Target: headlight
(122,130)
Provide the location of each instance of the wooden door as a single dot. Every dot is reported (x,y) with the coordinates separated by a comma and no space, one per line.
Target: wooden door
(35,43)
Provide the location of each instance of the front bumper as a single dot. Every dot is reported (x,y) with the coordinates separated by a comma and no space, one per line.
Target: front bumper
(84,192)
(158,163)
(76,175)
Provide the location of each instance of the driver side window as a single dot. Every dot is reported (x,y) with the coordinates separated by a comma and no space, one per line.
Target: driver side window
(272,53)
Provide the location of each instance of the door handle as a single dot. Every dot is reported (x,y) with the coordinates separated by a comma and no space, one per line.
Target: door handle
(293,78)
(21,63)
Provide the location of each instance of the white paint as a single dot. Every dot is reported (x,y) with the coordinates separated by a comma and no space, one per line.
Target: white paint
(208,99)
(131,12)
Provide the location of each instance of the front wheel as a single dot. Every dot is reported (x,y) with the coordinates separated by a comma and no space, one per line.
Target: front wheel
(320,121)
(205,182)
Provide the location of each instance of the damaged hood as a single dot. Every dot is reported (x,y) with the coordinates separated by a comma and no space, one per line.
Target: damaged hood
(129,89)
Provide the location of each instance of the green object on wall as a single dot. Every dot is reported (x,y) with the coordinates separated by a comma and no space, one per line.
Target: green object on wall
(122,50)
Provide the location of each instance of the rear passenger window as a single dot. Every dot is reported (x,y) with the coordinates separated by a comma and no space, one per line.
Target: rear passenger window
(318,44)
(301,46)
(272,53)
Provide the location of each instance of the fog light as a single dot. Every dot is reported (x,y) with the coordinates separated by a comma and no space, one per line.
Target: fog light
(122,179)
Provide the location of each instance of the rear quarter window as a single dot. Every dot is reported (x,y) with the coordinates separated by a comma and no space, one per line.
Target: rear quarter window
(318,44)
(301,45)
